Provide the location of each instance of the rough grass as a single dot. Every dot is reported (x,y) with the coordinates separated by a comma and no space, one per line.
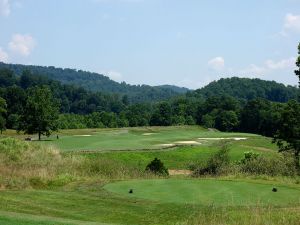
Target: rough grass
(24,164)
(245,216)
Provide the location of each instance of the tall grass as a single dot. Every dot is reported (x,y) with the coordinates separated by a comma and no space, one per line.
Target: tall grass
(24,164)
(280,164)
(244,216)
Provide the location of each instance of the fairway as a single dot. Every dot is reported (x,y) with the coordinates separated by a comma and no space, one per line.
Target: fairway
(207,192)
(137,138)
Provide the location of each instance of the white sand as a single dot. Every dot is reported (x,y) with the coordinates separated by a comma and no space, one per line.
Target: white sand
(188,142)
(231,138)
(83,135)
(147,134)
(167,145)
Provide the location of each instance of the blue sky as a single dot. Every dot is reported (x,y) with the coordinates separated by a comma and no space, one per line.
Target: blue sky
(183,42)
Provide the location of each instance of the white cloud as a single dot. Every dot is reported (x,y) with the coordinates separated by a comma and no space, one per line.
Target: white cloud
(269,66)
(282,64)
(22,44)
(3,56)
(4,8)
(292,22)
(217,63)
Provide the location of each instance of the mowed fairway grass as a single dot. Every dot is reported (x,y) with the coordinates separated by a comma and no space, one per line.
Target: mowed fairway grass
(207,192)
(175,200)
(133,138)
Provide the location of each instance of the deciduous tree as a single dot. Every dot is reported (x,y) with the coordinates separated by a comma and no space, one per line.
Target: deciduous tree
(40,113)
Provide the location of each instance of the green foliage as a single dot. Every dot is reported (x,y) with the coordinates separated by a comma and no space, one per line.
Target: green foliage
(216,165)
(40,113)
(248,156)
(221,105)
(279,165)
(227,121)
(248,89)
(261,116)
(220,113)
(162,115)
(288,133)
(93,82)
(208,121)
(157,167)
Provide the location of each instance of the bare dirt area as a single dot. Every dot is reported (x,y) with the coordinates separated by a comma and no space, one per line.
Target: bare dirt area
(180,172)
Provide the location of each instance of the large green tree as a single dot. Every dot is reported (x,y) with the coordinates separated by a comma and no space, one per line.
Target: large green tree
(288,134)
(40,112)
(2,113)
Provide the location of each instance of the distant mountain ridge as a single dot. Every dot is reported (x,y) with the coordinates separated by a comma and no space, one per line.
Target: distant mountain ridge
(99,82)
(247,89)
(241,88)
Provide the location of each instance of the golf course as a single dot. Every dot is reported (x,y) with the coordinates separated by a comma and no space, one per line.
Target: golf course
(98,177)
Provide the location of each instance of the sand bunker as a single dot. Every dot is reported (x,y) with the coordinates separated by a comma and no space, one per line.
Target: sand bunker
(238,139)
(188,142)
(167,145)
(147,134)
(231,138)
(83,135)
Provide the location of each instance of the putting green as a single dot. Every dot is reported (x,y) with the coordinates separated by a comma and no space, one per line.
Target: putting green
(207,192)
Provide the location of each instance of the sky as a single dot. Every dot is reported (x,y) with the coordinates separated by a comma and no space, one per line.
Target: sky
(180,42)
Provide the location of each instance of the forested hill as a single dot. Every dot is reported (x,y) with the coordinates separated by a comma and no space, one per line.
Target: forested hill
(247,89)
(99,83)
(241,88)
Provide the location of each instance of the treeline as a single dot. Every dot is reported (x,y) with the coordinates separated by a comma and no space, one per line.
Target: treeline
(247,89)
(99,83)
(80,108)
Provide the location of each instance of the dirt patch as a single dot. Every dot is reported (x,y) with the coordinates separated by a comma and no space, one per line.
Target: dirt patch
(180,172)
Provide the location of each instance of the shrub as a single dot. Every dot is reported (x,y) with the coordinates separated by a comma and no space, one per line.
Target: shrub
(217,164)
(248,156)
(277,165)
(157,167)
